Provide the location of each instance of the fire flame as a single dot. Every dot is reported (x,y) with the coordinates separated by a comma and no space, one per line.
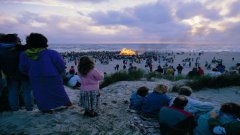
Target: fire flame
(128,52)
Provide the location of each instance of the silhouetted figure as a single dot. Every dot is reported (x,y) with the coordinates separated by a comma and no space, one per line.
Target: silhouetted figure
(179,69)
(45,69)
(10,49)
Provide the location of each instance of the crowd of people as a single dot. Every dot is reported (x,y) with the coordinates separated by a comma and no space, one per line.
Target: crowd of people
(162,63)
(184,115)
(40,73)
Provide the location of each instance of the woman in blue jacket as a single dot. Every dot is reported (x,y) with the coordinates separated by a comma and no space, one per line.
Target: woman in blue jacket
(45,68)
(155,101)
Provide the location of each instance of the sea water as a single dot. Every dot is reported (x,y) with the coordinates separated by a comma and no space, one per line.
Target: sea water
(146,47)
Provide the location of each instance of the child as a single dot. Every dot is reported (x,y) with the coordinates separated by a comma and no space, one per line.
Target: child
(89,93)
(137,98)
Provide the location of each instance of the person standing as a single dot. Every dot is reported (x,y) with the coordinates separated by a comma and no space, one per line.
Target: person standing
(200,71)
(89,94)
(117,67)
(45,68)
(179,69)
(10,49)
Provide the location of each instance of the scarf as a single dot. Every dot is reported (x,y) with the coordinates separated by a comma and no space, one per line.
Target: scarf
(33,53)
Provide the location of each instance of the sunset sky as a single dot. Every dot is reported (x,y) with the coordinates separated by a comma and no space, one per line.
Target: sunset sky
(124,21)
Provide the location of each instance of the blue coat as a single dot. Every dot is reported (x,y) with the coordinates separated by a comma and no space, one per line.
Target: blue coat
(136,101)
(154,102)
(202,122)
(45,78)
(9,59)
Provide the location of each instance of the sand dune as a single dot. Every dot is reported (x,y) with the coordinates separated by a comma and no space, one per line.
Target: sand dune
(114,117)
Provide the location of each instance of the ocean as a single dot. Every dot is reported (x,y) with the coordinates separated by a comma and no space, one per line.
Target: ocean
(146,47)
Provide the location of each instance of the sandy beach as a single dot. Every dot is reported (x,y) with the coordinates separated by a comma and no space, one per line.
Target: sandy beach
(226,58)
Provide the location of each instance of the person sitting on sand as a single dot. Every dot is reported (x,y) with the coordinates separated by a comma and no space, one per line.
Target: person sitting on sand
(194,106)
(45,68)
(155,101)
(89,94)
(230,128)
(214,73)
(221,68)
(74,80)
(227,114)
(193,73)
(137,98)
(174,120)
(72,70)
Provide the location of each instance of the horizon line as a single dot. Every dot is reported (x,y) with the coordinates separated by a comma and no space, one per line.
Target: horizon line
(113,43)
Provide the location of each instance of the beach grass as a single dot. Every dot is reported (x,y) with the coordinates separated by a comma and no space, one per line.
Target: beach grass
(196,83)
(224,80)
(122,76)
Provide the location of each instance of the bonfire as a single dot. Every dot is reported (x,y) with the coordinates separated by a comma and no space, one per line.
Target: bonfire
(127,52)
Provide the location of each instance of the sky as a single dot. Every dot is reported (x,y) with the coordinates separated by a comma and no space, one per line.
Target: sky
(124,21)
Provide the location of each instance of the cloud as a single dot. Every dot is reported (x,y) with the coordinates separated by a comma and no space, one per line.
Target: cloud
(63,29)
(234,9)
(113,18)
(89,1)
(191,9)
(161,21)
(154,20)
(151,13)
(154,13)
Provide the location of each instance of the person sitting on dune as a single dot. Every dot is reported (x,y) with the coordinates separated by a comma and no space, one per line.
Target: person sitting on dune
(216,121)
(230,128)
(174,120)
(74,81)
(155,101)
(137,98)
(194,106)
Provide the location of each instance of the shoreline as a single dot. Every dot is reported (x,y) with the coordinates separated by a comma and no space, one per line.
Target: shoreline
(158,51)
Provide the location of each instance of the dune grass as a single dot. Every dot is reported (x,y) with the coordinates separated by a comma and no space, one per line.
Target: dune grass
(122,76)
(196,83)
(224,80)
